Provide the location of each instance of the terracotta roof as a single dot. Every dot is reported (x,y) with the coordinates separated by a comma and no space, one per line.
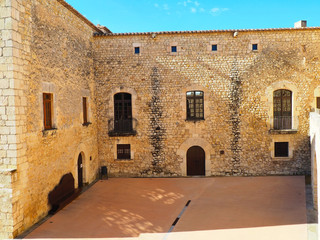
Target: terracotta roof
(204,31)
(83,18)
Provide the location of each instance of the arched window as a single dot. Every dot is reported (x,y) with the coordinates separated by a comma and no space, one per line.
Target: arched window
(195,109)
(122,112)
(282,109)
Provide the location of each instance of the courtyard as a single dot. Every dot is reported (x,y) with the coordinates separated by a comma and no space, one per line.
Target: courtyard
(184,208)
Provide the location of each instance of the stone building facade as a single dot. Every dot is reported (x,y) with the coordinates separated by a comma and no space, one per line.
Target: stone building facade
(75,97)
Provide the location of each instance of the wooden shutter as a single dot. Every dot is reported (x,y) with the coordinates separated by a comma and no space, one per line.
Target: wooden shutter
(85,110)
(47,110)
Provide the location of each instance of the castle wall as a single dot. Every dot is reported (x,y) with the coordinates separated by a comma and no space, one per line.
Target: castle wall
(52,54)
(237,132)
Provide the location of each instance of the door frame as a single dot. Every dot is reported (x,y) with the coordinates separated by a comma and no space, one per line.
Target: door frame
(182,152)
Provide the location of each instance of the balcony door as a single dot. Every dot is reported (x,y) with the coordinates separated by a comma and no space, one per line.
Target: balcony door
(282,109)
(122,112)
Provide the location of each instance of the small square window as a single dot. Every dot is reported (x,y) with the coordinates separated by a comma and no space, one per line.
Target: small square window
(255,47)
(214,47)
(281,149)
(173,48)
(137,50)
(123,151)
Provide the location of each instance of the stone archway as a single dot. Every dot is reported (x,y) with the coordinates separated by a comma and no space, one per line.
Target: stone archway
(183,149)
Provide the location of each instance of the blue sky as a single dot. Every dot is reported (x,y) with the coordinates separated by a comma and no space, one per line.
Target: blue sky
(181,15)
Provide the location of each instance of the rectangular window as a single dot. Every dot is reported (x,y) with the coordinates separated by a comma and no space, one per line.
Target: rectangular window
(47,110)
(254,47)
(214,47)
(85,110)
(195,109)
(318,102)
(173,48)
(123,151)
(137,50)
(281,149)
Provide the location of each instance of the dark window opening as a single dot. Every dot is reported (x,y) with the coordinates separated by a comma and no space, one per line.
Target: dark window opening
(214,47)
(123,151)
(137,50)
(173,48)
(85,110)
(122,112)
(318,102)
(195,108)
(281,149)
(282,109)
(47,110)
(254,47)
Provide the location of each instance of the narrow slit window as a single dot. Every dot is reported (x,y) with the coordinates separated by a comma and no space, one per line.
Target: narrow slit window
(173,48)
(318,102)
(85,110)
(281,149)
(255,47)
(214,47)
(47,110)
(123,151)
(137,50)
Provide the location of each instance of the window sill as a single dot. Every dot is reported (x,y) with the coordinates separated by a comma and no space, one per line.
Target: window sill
(124,160)
(283,131)
(86,124)
(47,132)
(122,134)
(281,159)
(194,119)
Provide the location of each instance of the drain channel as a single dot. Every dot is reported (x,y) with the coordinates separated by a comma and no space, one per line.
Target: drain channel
(179,216)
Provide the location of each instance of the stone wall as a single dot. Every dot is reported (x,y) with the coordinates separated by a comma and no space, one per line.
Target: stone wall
(50,51)
(238,85)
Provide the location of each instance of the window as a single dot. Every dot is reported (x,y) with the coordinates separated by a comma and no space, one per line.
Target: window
(282,109)
(255,47)
(137,50)
(85,110)
(173,48)
(47,110)
(195,105)
(214,47)
(122,112)
(318,102)
(281,149)
(123,151)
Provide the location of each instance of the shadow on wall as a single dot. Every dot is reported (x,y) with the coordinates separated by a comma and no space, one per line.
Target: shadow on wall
(62,194)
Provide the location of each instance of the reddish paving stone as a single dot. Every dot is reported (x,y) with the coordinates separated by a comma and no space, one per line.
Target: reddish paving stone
(121,207)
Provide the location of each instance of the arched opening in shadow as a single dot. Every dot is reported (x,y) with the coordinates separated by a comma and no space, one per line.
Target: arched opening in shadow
(80,171)
(196,161)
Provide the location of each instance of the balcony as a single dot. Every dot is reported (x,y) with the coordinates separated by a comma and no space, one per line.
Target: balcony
(282,125)
(122,127)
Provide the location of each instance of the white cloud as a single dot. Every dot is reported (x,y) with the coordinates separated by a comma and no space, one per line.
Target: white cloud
(193,10)
(215,11)
(165,6)
(197,3)
(202,10)
(156,5)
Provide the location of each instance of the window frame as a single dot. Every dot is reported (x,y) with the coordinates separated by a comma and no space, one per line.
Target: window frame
(124,155)
(194,97)
(279,116)
(279,153)
(47,111)
(85,110)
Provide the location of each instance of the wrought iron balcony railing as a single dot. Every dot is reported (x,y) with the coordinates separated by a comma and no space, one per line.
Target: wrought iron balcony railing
(282,122)
(122,127)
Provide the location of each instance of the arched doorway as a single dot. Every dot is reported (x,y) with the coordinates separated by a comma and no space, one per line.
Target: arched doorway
(195,161)
(80,171)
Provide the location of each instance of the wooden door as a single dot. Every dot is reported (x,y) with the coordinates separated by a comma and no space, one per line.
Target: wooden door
(80,172)
(195,161)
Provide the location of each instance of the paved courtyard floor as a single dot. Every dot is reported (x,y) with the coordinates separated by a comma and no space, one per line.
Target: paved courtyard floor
(223,208)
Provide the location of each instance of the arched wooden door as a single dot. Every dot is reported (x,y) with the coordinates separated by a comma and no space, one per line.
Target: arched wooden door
(195,161)
(80,172)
